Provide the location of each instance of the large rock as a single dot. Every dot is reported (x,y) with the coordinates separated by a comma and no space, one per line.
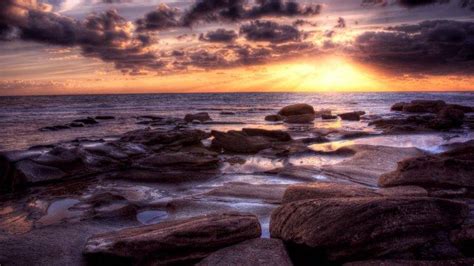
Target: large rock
(351,116)
(450,170)
(201,117)
(248,140)
(296,109)
(175,242)
(334,190)
(274,118)
(258,252)
(350,229)
(299,119)
(428,106)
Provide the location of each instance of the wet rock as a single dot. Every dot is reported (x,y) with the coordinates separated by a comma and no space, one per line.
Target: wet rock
(201,117)
(104,117)
(86,121)
(328,117)
(351,116)
(452,262)
(259,252)
(54,128)
(274,118)
(175,242)
(274,134)
(296,109)
(107,205)
(227,113)
(270,193)
(299,119)
(247,140)
(349,229)
(335,190)
(428,106)
(449,170)
(75,124)
(151,137)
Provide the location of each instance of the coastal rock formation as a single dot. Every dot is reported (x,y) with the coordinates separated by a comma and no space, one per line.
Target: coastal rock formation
(174,242)
(351,116)
(452,262)
(296,109)
(256,252)
(201,117)
(348,229)
(247,140)
(299,119)
(334,190)
(428,106)
(452,170)
(274,118)
(142,154)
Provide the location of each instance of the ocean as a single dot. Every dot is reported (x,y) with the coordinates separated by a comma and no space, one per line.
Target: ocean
(21,117)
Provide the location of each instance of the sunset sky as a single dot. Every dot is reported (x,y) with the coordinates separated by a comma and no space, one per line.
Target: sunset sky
(141,46)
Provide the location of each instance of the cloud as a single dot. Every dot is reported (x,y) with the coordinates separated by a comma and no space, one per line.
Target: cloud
(268,31)
(219,35)
(341,23)
(235,10)
(428,48)
(416,3)
(162,18)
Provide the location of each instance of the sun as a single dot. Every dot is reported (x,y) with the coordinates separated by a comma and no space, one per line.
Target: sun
(323,74)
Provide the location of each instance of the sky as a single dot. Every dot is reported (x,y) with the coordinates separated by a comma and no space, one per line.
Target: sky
(148,46)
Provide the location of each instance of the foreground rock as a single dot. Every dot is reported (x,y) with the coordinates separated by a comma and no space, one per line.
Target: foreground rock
(175,242)
(349,229)
(450,173)
(258,252)
(453,262)
(294,114)
(296,109)
(333,190)
(247,140)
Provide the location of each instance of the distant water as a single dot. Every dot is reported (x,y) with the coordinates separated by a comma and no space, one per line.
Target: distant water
(21,117)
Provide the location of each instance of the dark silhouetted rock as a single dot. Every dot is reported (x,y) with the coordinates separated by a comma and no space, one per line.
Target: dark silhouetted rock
(296,109)
(86,121)
(104,117)
(75,124)
(350,229)
(255,252)
(299,119)
(202,117)
(175,242)
(55,128)
(449,170)
(274,118)
(351,116)
(453,262)
(274,134)
(428,106)
(328,117)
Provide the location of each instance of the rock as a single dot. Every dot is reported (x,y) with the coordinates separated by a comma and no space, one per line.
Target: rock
(398,106)
(452,262)
(104,117)
(296,109)
(259,252)
(54,128)
(348,229)
(328,117)
(86,121)
(299,119)
(449,170)
(75,124)
(463,238)
(335,190)
(28,172)
(351,116)
(248,140)
(150,137)
(227,113)
(269,193)
(447,118)
(174,242)
(428,106)
(202,117)
(274,134)
(274,118)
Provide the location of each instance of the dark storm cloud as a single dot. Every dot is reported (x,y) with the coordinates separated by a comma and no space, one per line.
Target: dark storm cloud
(233,10)
(162,18)
(219,35)
(341,23)
(431,47)
(269,31)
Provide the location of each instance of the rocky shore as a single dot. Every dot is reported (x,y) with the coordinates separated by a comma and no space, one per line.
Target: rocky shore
(253,196)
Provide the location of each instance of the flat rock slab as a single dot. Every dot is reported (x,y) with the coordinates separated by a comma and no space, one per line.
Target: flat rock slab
(369,163)
(333,190)
(255,252)
(271,193)
(174,242)
(349,229)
